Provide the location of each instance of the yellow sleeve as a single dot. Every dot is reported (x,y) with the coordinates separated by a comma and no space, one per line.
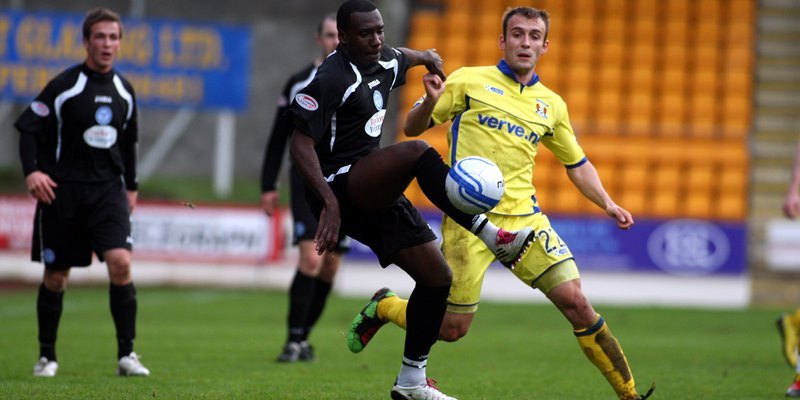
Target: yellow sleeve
(453,101)
(562,141)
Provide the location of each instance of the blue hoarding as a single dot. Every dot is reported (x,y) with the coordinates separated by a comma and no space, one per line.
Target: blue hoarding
(170,63)
(684,247)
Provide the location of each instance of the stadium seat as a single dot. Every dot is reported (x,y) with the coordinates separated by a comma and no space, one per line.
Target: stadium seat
(664,201)
(731,205)
(697,203)
(677,9)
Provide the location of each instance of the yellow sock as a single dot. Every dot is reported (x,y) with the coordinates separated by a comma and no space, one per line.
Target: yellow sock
(794,318)
(603,350)
(393,309)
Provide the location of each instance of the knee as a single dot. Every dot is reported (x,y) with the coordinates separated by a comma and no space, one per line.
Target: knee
(119,268)
(417,147)
(452,333)
(453,327)
(310,263)
(56,281)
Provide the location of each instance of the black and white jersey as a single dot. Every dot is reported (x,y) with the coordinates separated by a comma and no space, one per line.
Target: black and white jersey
(84,128)
(283,127)
(344,106)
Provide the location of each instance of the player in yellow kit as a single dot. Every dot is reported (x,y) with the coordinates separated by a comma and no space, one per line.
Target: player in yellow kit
(504,113)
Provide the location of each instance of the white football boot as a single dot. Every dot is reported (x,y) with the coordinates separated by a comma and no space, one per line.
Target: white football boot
(424,392)
(45,367)
(131,366)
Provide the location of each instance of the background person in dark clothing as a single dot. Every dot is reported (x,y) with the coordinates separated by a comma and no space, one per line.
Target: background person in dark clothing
(78,149)
(315,273)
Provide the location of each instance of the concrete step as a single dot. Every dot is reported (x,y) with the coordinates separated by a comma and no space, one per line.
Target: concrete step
(777,20)
(775,123)
(785,137)
(789,49)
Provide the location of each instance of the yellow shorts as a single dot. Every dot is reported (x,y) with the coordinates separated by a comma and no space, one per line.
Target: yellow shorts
(547,264)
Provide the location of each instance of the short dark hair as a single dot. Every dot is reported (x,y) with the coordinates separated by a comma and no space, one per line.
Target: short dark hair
(348,8)
(329,16)
(97,15)
(527,12)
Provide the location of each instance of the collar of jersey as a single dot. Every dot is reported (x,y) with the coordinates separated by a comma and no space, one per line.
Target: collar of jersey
(506,70)
(97,75)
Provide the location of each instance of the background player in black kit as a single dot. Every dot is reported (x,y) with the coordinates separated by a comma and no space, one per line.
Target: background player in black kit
(314,276)
(359,188)
(78,149)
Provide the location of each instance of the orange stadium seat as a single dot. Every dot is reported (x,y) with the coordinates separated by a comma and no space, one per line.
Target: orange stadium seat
(645,10)
(676,9)
(643,30)
(671,114)
(676,29)
(704,82)
(740,30)
(707,32)
(614,28)
(425,21)
(613,54)
(697,203)
(578,102)
(643,55)
(664,201)
(706,57)
(700,177)
(730,206)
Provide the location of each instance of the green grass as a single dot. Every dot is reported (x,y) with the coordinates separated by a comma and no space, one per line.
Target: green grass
(221,344)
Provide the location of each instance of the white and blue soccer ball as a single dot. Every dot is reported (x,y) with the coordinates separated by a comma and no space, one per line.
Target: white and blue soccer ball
(474,185)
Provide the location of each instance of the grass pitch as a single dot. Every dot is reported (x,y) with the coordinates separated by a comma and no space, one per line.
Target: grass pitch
(221,344)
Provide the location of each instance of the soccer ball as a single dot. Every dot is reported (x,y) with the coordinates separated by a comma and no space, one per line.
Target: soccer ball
(474,185)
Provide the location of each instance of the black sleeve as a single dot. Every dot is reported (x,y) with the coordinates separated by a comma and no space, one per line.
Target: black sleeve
(27,153)
(33,125)
(313,107)
(402,67)
(129,147)
(282,129)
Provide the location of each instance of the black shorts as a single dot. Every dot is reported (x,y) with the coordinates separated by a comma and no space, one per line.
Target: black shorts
(84,218)
(305,223)
(399,227)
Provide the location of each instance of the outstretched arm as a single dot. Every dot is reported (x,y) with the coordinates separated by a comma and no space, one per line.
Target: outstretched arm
(587,180)
(791,205)
(306,161)
(419,117)
(429,58)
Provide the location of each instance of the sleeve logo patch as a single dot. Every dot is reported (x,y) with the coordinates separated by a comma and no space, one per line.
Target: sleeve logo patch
(40,109)
(306,101)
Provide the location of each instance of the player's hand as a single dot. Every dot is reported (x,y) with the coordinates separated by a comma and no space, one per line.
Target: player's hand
(133,197)
(330,221)
(791,206)
(434,86)
(40,186)
(621,215)
(269,202)
(434,63)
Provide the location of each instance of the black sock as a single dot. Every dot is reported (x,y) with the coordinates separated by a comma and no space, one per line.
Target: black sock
(431,173)
(299,305)
(321,291)
(48,313)
(424,315)
(122,300)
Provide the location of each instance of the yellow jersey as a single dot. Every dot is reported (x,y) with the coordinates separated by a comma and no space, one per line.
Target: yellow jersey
(496,117)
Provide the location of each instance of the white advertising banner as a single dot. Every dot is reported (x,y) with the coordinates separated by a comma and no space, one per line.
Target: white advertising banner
(218,234)
(782,248)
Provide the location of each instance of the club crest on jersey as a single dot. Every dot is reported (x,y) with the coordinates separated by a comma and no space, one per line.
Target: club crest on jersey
(542,108)
(494,89)
(103,115)
(40,109)
(306,101)
(378,99)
